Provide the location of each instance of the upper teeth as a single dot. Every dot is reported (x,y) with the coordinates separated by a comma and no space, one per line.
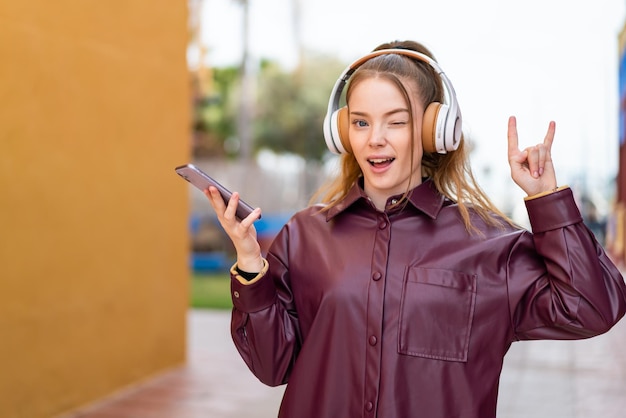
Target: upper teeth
(379,160)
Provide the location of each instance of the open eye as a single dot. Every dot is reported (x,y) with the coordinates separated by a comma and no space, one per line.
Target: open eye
(360,123)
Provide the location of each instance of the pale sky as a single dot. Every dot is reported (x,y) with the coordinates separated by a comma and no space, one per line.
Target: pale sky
(540,60)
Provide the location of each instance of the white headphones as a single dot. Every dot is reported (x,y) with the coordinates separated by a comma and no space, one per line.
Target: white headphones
(441,126)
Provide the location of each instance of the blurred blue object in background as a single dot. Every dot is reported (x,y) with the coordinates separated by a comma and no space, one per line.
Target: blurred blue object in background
(214,261)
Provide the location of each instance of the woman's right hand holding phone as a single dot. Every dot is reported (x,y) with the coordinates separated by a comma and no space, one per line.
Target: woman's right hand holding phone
(241,233)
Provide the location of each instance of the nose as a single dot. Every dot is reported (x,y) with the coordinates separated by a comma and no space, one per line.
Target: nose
(377,137)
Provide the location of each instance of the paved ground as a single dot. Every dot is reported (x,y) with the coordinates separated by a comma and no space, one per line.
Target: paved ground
(542,379)
(566,379)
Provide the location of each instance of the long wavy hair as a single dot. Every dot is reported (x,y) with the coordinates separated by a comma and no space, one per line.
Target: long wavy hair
(451,172)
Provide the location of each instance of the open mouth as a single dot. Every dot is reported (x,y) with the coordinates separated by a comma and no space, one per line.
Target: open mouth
(380,162)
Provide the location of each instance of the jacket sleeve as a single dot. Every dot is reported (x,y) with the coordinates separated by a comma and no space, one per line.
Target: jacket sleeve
(562,284)
(264,322)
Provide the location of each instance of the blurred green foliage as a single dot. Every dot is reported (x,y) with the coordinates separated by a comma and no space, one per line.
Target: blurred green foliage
(289,108)
(210,291)
(214,113)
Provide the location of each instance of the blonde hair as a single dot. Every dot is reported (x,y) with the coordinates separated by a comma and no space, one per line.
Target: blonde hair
(451,172)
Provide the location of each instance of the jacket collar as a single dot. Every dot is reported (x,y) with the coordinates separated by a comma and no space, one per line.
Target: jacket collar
(424,198)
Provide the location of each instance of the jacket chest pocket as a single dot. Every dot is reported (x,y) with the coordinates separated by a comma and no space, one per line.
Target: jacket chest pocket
(436,313)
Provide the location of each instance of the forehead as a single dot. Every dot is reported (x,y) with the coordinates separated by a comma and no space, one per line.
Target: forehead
(379,89)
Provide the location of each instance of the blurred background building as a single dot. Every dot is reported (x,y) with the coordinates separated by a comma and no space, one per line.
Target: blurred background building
(616,225)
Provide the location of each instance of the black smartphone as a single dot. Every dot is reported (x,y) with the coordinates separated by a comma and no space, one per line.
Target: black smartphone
(202,181)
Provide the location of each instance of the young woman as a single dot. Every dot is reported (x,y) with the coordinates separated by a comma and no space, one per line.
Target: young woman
(401,294)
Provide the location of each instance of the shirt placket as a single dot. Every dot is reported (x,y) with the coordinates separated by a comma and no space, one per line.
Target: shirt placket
(375,299)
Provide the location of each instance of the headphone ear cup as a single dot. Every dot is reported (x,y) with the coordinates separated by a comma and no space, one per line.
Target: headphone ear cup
(429,127)
(332,134)
(343,128)
(336,127)
(438,133)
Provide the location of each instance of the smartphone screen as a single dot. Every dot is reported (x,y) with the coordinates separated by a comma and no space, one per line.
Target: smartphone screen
(202,181)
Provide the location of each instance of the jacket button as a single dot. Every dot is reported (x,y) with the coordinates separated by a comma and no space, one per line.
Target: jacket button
(376,276)
(373,340)
(369,406)
(382,225)
(236,294)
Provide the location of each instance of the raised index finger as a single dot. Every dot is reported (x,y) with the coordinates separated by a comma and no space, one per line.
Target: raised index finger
(512,136)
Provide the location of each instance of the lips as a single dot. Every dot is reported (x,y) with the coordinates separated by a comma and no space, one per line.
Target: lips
(380,162)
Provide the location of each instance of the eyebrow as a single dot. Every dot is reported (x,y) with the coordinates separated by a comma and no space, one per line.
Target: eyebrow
(391,112)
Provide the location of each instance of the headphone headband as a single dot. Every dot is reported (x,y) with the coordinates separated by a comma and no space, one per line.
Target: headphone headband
(441,130)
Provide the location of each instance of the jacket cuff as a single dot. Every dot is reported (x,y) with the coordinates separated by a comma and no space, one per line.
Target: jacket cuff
(235,274)
(545,193)
(553,211)
(254,295)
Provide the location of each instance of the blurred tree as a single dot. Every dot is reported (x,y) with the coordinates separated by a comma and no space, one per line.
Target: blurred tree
(291,106)
(215,115)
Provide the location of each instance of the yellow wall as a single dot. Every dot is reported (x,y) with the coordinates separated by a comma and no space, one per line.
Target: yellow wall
(94,115)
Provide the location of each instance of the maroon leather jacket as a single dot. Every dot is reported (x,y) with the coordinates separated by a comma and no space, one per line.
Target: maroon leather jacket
(404,314)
